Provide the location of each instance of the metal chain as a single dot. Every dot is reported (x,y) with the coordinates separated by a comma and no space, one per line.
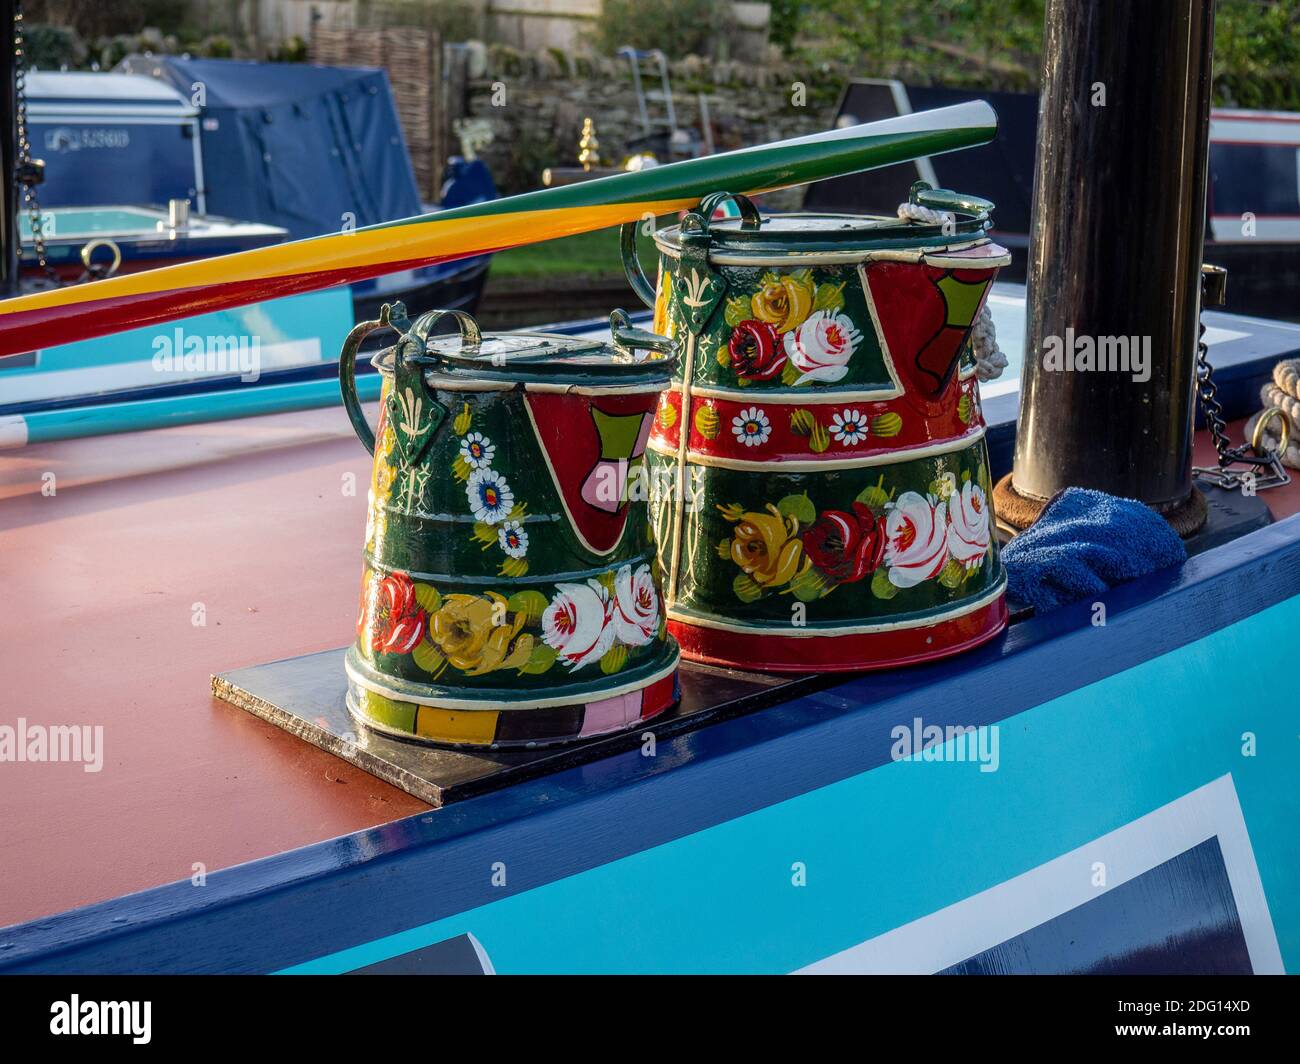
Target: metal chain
(26,174)
(1213,409)
(1268,463)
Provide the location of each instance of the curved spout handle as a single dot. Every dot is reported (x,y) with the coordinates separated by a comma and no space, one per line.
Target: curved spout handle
(348,371)
(628,338)
(696,221)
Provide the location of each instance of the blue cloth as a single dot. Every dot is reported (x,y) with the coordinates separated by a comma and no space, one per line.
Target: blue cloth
(1084,543)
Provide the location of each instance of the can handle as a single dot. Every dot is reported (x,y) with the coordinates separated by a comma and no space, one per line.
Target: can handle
(629,338)
(348,373)
(632,265)
(942,199)
(470,334)
(750,220)
(393,316)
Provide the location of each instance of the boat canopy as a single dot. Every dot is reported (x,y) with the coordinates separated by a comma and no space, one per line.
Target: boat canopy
(77,93)
(113,139)
(312,149)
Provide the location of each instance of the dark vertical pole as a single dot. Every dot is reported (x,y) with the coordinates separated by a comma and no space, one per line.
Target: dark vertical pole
(1115,251)
(8,153)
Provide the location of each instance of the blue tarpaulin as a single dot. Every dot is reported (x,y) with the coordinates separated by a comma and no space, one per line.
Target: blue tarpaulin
(324,142)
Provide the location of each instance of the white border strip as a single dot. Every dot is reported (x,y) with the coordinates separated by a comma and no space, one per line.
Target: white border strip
(699,620)
(993,916)
(486,705)
(774,466)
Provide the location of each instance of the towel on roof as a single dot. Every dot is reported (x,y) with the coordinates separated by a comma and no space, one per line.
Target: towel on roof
(1085,543)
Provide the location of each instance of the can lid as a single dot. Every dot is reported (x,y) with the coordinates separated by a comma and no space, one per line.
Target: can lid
(785,233)
(632,357)
(938,218)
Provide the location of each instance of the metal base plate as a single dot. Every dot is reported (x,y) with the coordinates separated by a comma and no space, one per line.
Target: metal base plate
(1229,514)
(305,696)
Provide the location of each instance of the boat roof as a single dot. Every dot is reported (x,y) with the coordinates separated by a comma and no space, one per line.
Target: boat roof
(240,83)
(152,560)
(165,557)
(162,558)
(85,92)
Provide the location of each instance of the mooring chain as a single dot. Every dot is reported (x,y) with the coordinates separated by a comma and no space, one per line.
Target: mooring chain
(1252,452)
(27,176)
(1213,409)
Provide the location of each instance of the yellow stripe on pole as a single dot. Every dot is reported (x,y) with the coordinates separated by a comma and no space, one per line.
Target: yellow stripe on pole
(361,249)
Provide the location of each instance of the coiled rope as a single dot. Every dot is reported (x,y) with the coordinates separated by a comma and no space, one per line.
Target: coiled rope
(1283,392)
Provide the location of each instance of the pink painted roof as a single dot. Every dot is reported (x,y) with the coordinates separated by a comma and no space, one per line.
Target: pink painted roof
(248,518)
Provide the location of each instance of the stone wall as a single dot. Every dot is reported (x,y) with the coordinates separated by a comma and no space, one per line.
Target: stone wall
(524,24)
(536,105)
(566,24)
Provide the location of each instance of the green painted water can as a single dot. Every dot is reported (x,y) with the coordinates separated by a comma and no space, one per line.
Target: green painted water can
(509,595)
(824,434)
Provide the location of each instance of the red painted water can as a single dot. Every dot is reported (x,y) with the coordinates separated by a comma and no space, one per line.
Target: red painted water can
(823,494)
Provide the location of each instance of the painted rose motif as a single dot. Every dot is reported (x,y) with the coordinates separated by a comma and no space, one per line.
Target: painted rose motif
(968,525)
(490,497)
(576,623)
(916,530)
(635,614)
(755,351)
(767,547)
(751,427)
(849,427)
(784,301)
(465,629)
(846,546)
(513,539)
(399,621)
(821,347)
(477,450)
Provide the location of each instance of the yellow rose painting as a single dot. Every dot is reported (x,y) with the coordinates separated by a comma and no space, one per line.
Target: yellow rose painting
(784,302)
(767,548)
(465,630)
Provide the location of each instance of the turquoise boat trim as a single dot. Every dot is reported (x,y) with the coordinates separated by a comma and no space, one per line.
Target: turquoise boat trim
(293,331)
(925,835)
(240,401)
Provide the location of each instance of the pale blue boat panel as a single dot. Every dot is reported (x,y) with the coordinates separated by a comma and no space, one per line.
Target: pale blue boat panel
(243,342)
(87,221)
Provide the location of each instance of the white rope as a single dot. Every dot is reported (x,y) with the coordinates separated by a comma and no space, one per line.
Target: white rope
(914,212)
(1283,392)
(989,359)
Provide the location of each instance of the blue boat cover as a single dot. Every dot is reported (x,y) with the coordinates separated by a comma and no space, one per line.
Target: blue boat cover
(294,125)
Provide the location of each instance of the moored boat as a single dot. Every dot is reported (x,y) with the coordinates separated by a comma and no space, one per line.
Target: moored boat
(1105,787)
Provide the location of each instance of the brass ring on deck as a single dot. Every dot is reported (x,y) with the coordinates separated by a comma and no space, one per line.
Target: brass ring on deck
(102,242)
(1284,433)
